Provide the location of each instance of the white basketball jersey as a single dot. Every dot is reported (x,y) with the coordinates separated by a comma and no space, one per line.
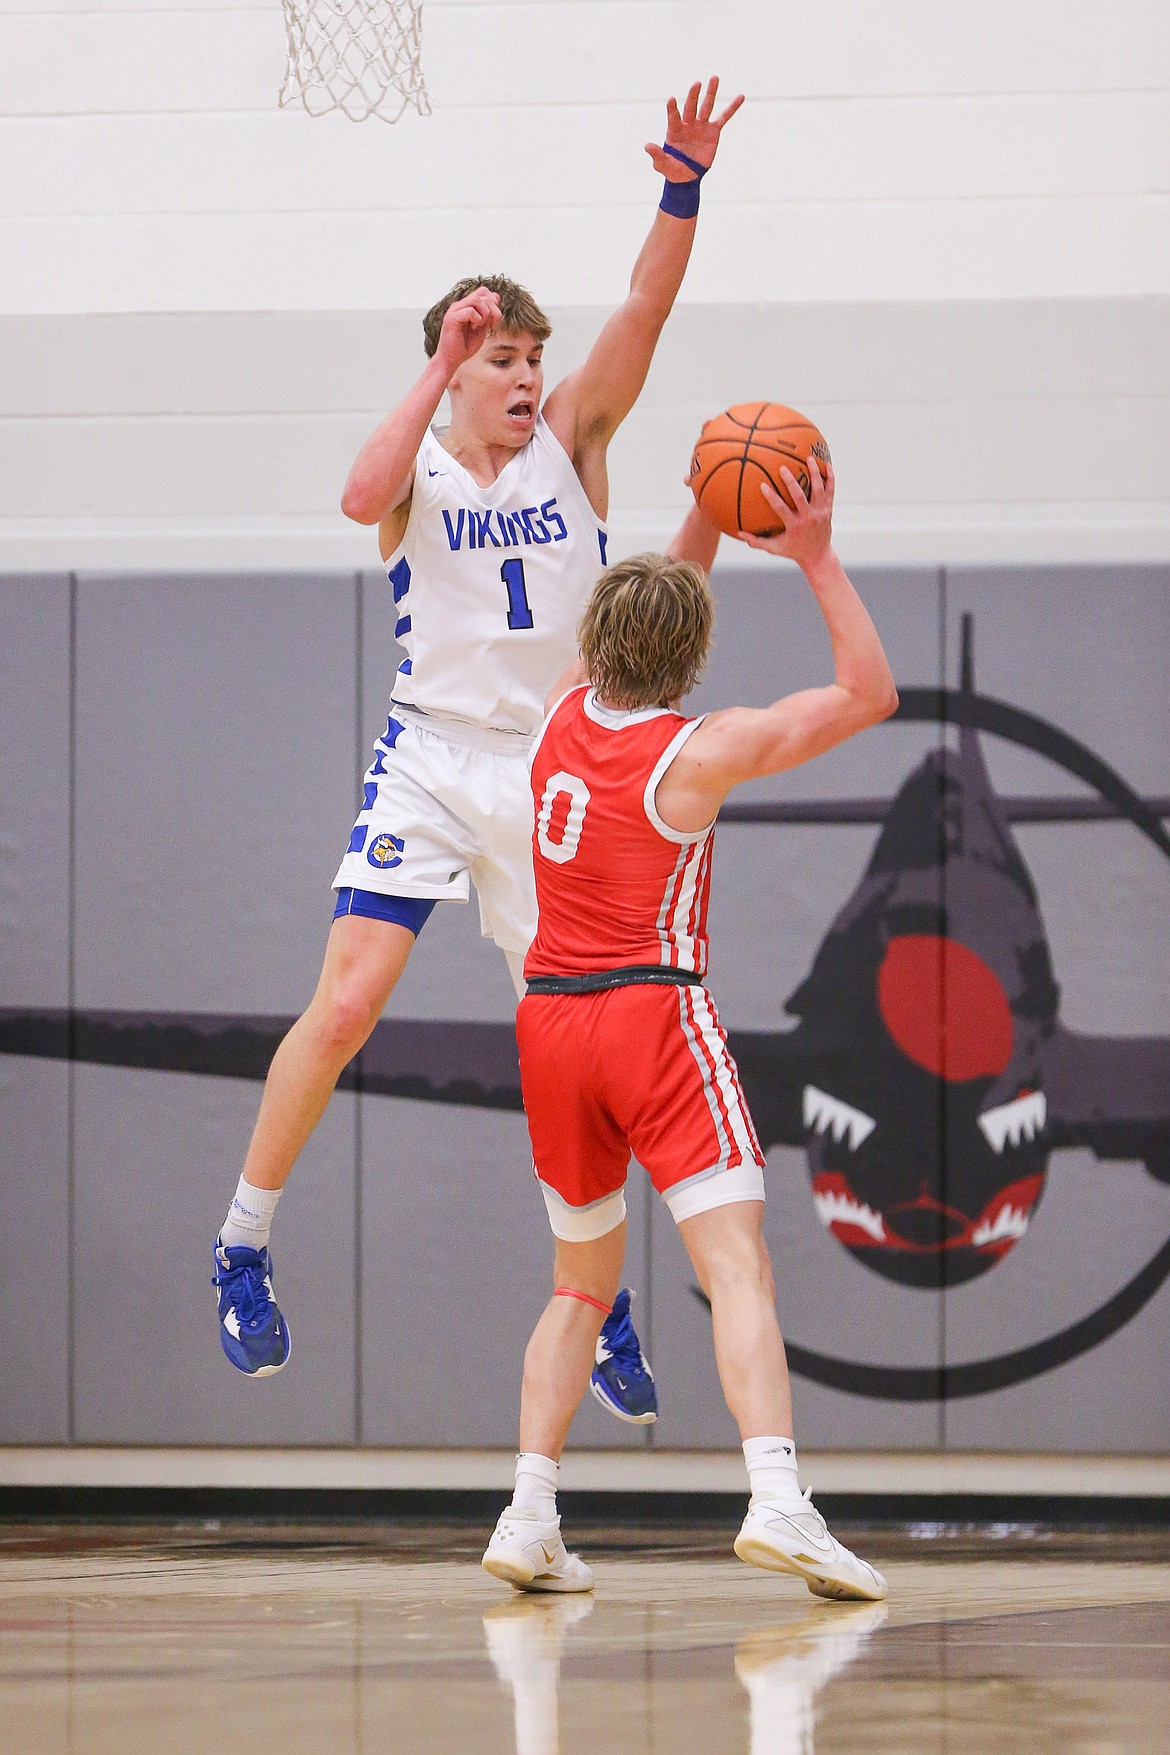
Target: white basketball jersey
(490,582)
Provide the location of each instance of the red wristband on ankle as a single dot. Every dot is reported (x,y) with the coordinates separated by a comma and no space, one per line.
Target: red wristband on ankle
(568,1292)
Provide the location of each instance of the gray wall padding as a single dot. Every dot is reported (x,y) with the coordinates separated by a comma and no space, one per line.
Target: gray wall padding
(182,864)
(35,861)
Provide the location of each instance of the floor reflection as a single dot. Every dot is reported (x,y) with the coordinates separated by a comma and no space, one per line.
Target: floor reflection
(783,1667)
(525,1638)
(340,1642)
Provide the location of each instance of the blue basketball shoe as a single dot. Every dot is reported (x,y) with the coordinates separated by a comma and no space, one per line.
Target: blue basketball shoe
(622,1379)
(252,1332)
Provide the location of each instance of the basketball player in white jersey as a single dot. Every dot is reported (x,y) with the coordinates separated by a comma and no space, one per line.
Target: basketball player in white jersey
(493,533)
(621,1048)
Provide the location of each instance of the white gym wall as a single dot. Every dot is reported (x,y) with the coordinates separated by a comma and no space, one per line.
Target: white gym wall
(941,229)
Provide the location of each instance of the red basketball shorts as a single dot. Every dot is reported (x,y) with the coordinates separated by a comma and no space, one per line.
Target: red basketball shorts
(642,1070)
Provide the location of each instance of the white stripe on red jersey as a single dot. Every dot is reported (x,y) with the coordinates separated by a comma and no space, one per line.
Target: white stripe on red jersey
(709,1045)
(615,885)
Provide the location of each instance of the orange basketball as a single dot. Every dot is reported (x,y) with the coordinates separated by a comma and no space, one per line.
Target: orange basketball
(738,450)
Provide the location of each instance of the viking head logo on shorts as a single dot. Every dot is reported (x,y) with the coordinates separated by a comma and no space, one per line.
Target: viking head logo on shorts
(385,851)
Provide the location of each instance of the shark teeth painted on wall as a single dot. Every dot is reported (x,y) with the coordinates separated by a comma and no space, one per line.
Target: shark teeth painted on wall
(824,1113)
(834,1207)
(1013,1123)
(1008,1222)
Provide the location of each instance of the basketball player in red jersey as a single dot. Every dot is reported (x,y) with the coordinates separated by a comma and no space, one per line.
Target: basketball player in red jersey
(621,1049)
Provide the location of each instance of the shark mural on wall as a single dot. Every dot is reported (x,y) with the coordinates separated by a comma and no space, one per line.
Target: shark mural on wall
(928,1076)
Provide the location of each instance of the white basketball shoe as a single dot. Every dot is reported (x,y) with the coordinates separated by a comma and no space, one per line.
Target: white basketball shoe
(785,1538)
(527,1551)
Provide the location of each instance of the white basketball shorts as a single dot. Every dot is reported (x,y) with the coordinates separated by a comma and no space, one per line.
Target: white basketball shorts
(445,806)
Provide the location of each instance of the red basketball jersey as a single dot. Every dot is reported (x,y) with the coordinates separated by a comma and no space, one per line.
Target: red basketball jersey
(615,885)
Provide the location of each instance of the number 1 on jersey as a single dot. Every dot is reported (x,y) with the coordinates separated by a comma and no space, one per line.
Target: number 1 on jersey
(519,611)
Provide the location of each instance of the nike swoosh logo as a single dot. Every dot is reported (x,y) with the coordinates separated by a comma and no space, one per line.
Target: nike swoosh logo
(621,1382)
(824,1543)
(548,1558)
(433,472)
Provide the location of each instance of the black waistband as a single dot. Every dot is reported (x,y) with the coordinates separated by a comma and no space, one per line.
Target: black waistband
(637,975)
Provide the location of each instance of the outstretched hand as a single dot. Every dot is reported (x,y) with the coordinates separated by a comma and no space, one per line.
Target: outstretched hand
(695,130)
(808,530)
(466,326)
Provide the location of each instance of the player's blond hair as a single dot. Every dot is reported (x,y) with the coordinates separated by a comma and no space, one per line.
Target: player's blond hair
(519,312)
(646,630)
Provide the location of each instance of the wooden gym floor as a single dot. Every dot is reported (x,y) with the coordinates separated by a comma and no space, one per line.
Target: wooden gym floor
(370,1640)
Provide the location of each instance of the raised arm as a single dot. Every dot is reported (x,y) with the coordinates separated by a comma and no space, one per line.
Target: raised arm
(696,539)
(586,408)
(745,743)
(382,476)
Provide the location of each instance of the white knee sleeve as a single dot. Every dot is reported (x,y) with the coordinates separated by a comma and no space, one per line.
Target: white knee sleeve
(715,1188)
(584,1224)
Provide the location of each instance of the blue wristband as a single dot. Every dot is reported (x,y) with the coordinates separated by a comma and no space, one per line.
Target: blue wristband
(681,200)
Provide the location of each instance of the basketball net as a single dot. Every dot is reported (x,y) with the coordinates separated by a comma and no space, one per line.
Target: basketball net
(357,56)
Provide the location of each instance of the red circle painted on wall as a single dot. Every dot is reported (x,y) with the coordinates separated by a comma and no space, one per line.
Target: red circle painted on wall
(944,1007)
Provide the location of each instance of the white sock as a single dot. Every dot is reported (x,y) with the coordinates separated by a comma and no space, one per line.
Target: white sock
(771,1466)
(249,1217)
(536,1484)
